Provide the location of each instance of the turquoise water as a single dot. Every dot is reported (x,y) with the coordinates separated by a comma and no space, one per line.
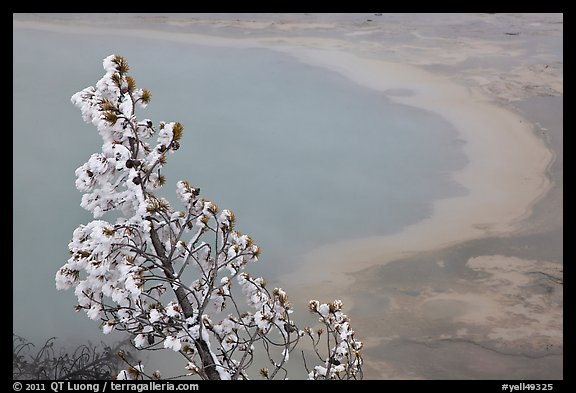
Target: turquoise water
(303,156)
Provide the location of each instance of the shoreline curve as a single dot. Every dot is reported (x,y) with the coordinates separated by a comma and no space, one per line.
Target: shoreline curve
(505,176)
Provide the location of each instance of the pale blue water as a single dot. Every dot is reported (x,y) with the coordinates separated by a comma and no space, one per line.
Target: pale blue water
(303,156)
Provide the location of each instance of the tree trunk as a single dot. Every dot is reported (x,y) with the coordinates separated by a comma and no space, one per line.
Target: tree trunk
(208,363)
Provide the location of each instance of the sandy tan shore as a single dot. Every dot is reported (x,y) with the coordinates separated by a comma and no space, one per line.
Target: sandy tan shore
(505,175)
(456,285)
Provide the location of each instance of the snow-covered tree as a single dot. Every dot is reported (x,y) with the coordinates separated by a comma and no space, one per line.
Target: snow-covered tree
(176,279)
